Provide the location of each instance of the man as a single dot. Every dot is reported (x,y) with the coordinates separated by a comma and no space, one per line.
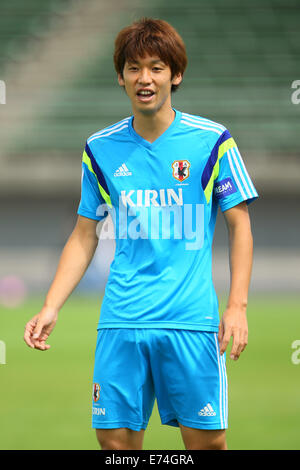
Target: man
(161,174)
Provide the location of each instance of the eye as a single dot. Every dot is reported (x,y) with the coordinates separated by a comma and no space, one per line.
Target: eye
(132,67)
(157,68)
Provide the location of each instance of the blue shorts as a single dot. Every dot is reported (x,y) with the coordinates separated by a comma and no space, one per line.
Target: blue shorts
(183,369)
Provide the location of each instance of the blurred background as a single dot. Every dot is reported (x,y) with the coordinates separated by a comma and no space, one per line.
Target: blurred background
(56,63)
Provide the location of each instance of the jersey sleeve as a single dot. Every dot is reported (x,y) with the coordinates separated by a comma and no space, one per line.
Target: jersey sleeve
(94,198)
(225,177)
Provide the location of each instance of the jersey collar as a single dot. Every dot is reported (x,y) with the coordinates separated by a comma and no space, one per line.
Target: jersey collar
(162,137)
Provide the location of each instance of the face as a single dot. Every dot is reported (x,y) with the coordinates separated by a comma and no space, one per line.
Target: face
(148,82)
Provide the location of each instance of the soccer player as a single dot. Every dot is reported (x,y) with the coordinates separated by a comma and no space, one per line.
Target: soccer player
(161,174)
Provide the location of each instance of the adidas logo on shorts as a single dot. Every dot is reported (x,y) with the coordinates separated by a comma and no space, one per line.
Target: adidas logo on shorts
(207,411)
(122,171)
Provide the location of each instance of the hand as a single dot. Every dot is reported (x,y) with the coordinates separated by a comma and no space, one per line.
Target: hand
(39,328)
(233,323)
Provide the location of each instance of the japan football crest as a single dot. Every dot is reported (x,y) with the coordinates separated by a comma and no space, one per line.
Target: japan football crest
(96,392)
(181,169)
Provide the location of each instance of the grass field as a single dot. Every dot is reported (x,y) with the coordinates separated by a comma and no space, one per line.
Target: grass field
(45,397)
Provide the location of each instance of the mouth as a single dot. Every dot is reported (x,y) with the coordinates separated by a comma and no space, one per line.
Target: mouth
(145,97)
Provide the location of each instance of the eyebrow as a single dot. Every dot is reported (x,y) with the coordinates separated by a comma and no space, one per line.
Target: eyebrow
(152,61)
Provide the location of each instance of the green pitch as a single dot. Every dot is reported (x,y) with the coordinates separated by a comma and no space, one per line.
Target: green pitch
(45,397)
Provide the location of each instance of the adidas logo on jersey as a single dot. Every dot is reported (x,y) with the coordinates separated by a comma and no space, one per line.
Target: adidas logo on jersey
(122,171)
(207,411)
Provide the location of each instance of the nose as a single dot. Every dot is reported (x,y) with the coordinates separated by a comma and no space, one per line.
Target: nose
(145,76)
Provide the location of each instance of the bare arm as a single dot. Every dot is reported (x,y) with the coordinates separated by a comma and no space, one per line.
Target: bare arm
(74,261)
(234,319)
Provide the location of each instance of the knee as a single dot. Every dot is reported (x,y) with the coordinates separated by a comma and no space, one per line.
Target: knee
(109,443)
(214,444)
(203,439)
(112,441)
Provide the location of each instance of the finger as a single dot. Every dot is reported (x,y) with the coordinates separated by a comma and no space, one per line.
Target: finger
(240,350)
(245,341)
(225,341)
(43,337)
(236,344)
(37,330)
(29,327)
(27,334)
(27,340)
(41,345)
(221,333)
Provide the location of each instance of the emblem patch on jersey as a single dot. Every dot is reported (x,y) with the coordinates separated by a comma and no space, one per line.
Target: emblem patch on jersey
(96,392)
(224,188)
(181,169)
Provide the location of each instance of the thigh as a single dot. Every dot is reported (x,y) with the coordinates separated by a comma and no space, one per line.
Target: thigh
(190,380)
(123,393)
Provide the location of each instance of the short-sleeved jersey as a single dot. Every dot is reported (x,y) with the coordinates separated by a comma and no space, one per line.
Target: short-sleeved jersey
(163,198)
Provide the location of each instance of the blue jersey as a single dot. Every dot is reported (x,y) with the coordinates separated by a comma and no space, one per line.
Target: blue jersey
(163,198)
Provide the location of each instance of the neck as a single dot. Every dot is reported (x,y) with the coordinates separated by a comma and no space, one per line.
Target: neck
(151,126)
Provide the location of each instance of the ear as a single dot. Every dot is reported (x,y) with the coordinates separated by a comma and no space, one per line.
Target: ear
(121,80)
(177,79)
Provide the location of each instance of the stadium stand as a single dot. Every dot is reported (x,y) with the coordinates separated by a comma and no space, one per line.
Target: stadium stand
(243,58)
(56,60)
(21,22)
